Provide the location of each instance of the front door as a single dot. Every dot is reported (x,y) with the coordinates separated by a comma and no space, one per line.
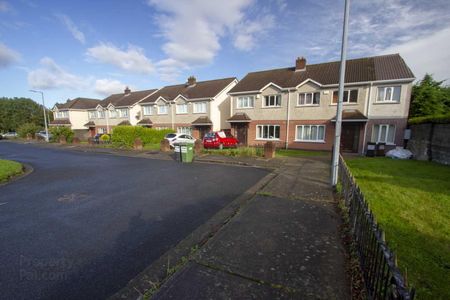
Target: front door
(241,133)
(350,137)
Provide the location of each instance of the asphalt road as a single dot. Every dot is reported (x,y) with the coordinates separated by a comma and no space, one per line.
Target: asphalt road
(82,224)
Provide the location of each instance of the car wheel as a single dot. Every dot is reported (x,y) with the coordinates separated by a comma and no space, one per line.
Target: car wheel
(221,146)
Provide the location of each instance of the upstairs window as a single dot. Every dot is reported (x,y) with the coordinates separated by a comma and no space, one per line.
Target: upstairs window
(245,102)
(92,114)
(101,114)
(148,110)
(123,112)
(272,101)
(309,98)
(199,107)
(389,94)
(162,109)
(62,114)
(182,108)
(112,113)
(350,96)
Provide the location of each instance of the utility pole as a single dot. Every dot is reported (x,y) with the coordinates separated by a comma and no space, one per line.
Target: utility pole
(45,113)
(337,137)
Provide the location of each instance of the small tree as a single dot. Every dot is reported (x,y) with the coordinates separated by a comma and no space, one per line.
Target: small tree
(27,128)
(59,131)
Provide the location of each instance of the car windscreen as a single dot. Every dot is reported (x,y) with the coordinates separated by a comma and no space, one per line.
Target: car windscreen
(171,135)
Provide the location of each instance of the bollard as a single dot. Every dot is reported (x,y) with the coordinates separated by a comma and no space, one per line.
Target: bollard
(138,144)
(269,150)
(164,146)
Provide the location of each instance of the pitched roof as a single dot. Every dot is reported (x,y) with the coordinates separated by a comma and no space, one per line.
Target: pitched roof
(126,99)
(145,121)
(202,121)
(124,123)
(89,124)
(202,89)
(78,103)
(352,115)
(385,67)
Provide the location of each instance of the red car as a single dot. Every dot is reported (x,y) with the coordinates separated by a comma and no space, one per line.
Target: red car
(219,139)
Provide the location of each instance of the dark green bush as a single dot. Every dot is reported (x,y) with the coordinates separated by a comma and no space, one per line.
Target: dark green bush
(28,128)
(59,131)
(430,119)
(124,136)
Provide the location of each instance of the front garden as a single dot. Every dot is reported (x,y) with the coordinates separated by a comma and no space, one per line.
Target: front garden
(411,200)
(9,169)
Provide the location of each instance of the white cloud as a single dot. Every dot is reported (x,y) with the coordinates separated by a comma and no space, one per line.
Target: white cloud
(193,30)
(4,6)
(107,87)
(132,59)
(427,55)
(73,29)
(52,76)
(7,56)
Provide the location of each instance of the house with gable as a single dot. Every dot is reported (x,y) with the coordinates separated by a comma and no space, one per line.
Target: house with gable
(296,106)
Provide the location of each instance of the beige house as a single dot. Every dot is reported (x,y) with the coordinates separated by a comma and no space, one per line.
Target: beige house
(193,108)
(117,109)
(296,106)
(73,114)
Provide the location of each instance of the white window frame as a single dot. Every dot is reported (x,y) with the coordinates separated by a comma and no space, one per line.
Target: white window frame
(203,104)
(312,99)
(165,111)
(123,112)
(346,100)
(112,113)
(100,114)
(245,102)
(178,111)
(101,130)
(310,126)
(184,130)
(149,109)
(377,139)
(276,100)
(263,126)
(392,89)
(92,114)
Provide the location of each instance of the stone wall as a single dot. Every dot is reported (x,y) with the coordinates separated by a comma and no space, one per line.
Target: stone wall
(430,142)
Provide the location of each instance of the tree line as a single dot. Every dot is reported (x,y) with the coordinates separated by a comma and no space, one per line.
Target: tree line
(15,112)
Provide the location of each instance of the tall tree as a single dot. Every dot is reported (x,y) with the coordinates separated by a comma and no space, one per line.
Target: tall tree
(429,97)
(17,111)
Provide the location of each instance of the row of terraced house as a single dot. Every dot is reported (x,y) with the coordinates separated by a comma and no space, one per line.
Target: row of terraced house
(294,106)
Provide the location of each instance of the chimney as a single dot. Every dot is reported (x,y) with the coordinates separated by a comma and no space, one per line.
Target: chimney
(300,64)
(127,91)
(191,81)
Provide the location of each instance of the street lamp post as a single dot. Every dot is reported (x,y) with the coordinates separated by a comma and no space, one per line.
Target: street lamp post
(337,137)
(45,113)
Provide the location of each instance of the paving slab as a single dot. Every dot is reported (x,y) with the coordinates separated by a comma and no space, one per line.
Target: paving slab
(293,244)
(199,282)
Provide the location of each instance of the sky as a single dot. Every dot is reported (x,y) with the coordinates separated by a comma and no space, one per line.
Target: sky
(70,49)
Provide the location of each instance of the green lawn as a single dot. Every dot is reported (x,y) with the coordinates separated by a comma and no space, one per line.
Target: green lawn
(411,200)
(8,169)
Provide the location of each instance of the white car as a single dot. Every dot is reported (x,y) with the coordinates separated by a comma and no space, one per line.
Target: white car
(11,134)
(175,138)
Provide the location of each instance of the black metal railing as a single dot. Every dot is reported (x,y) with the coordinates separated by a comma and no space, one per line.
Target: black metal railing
(378,263)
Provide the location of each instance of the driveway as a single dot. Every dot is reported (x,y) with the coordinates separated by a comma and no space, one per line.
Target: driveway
(82,224)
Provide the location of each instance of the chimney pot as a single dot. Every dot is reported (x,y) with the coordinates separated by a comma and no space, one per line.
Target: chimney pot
(127,91)
(191,81)
(300,64)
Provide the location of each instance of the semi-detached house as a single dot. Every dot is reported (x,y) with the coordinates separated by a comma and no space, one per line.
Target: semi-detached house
(193,107)
(296,106)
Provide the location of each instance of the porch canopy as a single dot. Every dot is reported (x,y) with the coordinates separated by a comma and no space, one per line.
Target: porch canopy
(202,121)
(60,122)
(145,122)
(89,124)
(239,118)
(124,123)
(351,115)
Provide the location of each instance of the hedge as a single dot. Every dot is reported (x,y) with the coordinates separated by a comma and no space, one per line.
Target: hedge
(28,128)
(59,131)
(124,136)
(430,119)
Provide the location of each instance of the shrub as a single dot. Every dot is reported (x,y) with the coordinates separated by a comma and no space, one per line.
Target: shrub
(124,136)
(430,119)
(59,131)
(27,128)
(105,138)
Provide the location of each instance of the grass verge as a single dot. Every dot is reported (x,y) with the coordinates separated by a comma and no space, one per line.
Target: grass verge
(259,152)
(411,200)
(9,169)
(300,153)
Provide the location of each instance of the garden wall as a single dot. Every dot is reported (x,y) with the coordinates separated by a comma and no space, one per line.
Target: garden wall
(430,141)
